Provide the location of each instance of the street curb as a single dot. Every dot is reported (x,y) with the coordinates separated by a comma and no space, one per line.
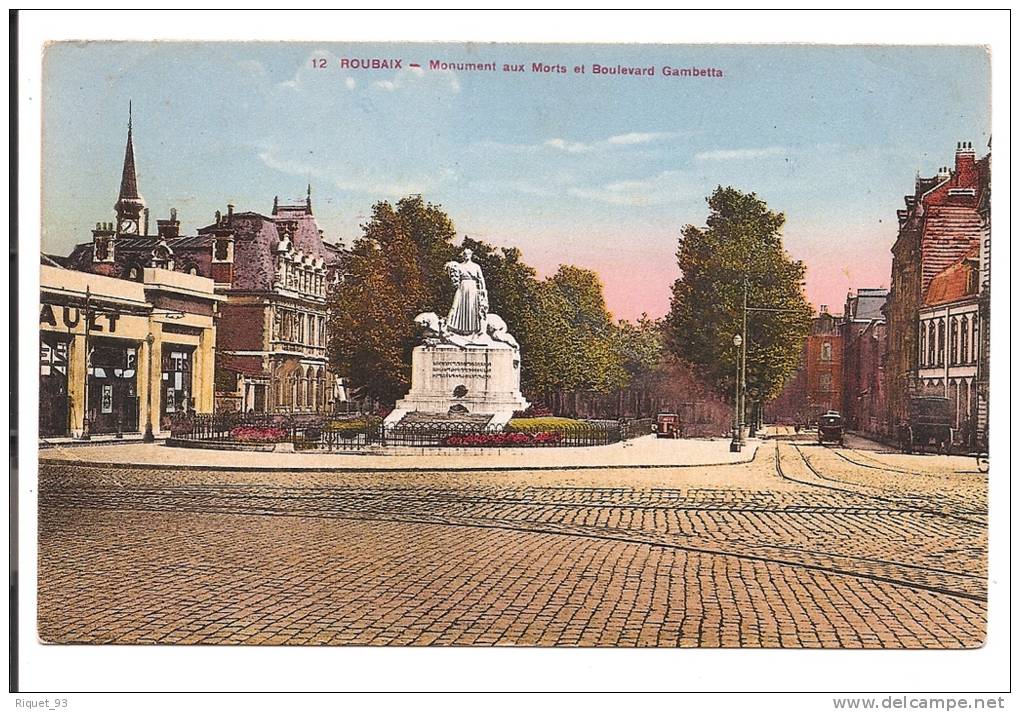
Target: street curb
(349,470)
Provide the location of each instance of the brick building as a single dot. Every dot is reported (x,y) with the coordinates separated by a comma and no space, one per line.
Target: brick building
(817,385)
(939,225)
(274,271)
(863,334)
(949,336)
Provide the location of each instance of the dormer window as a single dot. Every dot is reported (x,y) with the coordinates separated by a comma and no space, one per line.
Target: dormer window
(102,251)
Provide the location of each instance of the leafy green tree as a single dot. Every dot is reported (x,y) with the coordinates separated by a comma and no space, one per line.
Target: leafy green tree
(579,335)
(393,272)
(741,241)
(641,345)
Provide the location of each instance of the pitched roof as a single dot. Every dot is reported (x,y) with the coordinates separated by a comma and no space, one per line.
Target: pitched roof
(954,282)
(950,231)
(867,304)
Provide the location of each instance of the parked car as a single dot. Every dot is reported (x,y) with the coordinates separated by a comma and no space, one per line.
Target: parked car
(931,423)
(830,428)
(668,425)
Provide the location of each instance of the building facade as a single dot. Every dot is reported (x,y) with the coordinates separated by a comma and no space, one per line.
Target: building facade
(949,337)
(939,225)
(121,356)
(863,332)
(273,271)
(817,385)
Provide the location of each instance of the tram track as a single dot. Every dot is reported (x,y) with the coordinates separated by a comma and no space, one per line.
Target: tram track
(387,505)
(854,488)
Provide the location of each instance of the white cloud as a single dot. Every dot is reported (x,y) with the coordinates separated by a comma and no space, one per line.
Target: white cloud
(664,187)
(568,146)
(628,139)
(739,154)
(358,180)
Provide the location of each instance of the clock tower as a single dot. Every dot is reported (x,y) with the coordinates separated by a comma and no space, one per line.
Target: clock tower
(129,205)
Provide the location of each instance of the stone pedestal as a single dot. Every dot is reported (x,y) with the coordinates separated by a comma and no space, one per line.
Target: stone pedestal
(475,379)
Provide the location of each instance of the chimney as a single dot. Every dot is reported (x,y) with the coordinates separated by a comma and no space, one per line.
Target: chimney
(965,174)
(943,174)
(169,229)
(823,309)
(230,210)
(146,211)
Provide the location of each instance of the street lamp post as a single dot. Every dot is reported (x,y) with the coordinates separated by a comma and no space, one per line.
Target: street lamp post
(148,437)
(735,443)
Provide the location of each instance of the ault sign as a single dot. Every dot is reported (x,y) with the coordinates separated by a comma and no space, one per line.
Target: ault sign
(72,317)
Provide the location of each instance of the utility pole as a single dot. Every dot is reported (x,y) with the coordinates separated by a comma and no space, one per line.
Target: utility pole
(86,426)
(743,367)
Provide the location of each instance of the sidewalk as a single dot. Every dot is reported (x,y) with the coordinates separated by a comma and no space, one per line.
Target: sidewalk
(647,451)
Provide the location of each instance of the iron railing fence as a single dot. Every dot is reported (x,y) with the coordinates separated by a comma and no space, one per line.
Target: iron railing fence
(356,433)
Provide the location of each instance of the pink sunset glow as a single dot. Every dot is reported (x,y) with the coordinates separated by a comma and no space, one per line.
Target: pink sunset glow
(638,273)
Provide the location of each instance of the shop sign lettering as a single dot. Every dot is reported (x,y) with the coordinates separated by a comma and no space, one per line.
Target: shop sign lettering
(71,317)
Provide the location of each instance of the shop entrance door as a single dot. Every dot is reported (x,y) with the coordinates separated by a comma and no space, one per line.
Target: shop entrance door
(175,394)
(113,389)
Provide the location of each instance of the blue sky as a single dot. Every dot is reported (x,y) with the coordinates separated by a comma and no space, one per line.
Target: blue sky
(599,171)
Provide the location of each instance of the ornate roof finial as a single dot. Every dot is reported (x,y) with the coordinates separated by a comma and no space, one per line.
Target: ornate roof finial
(308,200)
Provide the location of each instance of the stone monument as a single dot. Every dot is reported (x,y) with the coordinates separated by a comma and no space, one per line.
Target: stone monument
(468,366)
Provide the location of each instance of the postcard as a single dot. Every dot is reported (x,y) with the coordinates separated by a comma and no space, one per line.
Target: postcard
(514,344)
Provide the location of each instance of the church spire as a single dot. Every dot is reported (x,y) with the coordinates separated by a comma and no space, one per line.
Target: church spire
(129,181)
(129,203)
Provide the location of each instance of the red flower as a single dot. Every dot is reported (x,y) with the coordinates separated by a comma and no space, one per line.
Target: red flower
(258,434)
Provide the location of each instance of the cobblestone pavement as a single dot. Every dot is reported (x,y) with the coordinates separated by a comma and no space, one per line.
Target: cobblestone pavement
(803,547)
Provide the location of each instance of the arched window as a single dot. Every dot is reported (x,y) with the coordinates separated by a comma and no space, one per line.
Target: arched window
(954,341)
(922,350)
(964,340)
(942,341)
(826,351)
(931,343)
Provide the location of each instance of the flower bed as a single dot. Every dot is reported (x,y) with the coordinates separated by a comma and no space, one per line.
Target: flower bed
(258,434)
(546,424)
(501,439)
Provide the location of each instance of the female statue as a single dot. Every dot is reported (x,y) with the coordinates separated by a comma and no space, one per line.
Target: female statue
(471,301)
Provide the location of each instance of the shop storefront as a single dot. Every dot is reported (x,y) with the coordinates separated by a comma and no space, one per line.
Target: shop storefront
(118,357)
